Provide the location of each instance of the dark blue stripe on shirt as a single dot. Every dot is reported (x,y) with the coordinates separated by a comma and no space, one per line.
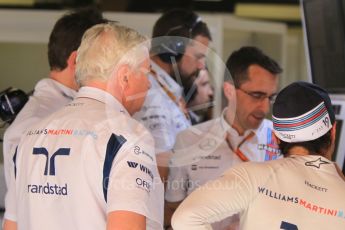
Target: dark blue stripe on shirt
(15,162)
(114,144)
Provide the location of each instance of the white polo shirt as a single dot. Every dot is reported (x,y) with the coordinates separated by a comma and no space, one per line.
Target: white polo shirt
(81,163)
(298,192)
(49,96)
(202,154)
(160,114)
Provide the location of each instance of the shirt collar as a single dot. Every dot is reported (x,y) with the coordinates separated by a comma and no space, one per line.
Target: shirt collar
(225,125)
(167,80)
(101,96)
(66,91)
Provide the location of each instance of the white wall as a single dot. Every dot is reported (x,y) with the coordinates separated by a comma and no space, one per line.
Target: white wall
(24,35)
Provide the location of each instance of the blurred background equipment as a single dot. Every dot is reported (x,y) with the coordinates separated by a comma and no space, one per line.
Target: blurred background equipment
(324,32)
(11,102)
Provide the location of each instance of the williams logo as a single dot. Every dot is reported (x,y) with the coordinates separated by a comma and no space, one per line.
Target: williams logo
(132,164)
(142,168)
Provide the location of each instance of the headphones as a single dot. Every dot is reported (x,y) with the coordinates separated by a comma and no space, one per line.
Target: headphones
(11,102)
(172,47)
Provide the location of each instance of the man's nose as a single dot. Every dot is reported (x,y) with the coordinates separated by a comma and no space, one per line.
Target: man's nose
(201,63)
(210,91)
(265,105)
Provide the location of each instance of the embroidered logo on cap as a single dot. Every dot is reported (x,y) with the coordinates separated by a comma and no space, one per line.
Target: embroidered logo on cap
(306,127)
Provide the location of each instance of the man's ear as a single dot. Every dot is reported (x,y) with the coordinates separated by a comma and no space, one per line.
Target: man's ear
(229,90)
(334,131)
(122,75)
(330,150)
(230,94)
(72,59)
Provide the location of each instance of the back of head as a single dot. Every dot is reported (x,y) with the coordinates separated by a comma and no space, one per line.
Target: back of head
(303,116)
(106,46)
(172,33)
(67,33)
(241,59)
(180,22)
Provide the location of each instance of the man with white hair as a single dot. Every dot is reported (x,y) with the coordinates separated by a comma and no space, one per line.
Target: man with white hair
(90,165)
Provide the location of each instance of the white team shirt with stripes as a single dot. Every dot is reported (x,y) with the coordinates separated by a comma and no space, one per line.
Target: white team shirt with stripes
(298,192)
(49,96)
(82,162)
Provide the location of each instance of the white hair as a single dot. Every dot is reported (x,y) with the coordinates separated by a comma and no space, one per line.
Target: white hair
(104,47)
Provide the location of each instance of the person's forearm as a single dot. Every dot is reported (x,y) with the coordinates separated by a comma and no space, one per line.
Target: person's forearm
(125,220)
(213,201)
(10,225)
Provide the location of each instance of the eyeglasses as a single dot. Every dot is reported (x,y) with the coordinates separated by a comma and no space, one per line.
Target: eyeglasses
(260,96)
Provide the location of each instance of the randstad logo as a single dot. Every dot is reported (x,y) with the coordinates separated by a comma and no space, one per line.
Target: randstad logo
(48,189)
(50,159)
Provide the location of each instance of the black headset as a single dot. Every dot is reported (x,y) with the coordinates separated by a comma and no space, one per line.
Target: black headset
(171,46)
(11,102)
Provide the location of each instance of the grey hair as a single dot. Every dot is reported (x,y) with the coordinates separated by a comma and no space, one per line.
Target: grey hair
(106,46)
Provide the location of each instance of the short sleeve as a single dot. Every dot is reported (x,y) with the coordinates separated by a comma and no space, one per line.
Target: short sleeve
(134,183)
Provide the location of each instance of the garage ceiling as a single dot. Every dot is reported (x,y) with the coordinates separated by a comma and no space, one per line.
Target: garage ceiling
(278,10)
